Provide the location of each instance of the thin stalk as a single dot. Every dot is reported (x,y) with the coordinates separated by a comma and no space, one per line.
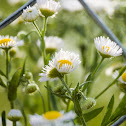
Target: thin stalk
(48,95)
(37,28)
(111,84)
(68,103)
(65,84)
(82,120)
(97,68)
(43,102)
(14,123)
(7,67)
(12,104)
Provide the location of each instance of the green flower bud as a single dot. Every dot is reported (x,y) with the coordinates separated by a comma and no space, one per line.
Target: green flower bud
(13,52)
(21,34)
(87,103)
(31,88)
(14,115)
(28,75)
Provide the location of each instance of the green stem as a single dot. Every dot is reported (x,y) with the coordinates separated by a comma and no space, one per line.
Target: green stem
(37,28)
(7,67)
(68,103)
(48,95)
(14,123)
(43,102)
(82,120)
(111,84)
(65,84)
(12,104)
(97,67)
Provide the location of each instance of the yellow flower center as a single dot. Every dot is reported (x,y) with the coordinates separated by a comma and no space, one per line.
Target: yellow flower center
(64,62)
(5,40)
(124,77)
(52,115)
(107,47)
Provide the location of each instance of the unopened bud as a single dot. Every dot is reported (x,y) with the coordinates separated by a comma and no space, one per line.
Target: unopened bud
(28,75)
(31,88)
(13,52)
(21,34)
(87,103)
(14,115)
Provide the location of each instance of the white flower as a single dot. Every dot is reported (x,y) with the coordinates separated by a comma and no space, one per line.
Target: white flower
(50,118)
(52,43)
(48,7)
(107,48)
(14,115)
(30,14)
(49,72)
(64,62)
(9,41)
(122,78)
(71,5)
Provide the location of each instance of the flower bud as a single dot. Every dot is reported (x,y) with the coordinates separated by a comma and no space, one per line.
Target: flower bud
(31,88)
(14,115)
(21,34)
(87,103)
(13,52)
(28,75)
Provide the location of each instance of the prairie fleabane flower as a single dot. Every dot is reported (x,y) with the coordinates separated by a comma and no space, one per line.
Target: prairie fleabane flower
(48,7)
(52,117)
(52,44)
(107,48)
(65,61)
(49,72)
(30,14)
(14,115)
(7,42)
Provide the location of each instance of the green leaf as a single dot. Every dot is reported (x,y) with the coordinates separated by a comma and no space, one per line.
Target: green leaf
(2,73)
(90,115)
(120,110)
(12,88)
(2,83)
(108,112)
(22,71)
(3,115)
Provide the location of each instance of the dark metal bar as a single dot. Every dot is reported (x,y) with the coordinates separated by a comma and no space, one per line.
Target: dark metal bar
(16,14)
(119,121)
(101,24)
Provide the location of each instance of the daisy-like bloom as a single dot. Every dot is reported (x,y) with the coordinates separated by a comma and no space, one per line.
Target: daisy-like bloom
(7,42)
(14,115)
(71,5)
(52,44)
(30,14)
(48,7)
(64,62)
(107,48)
(50,118)
(49,72)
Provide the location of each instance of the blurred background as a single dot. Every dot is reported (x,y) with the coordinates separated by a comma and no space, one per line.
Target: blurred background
(78,31)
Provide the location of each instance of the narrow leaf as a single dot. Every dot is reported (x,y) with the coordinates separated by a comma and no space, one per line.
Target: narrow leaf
(2,73)
(90,115)
(108,112)
(120,110)
(2,83)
